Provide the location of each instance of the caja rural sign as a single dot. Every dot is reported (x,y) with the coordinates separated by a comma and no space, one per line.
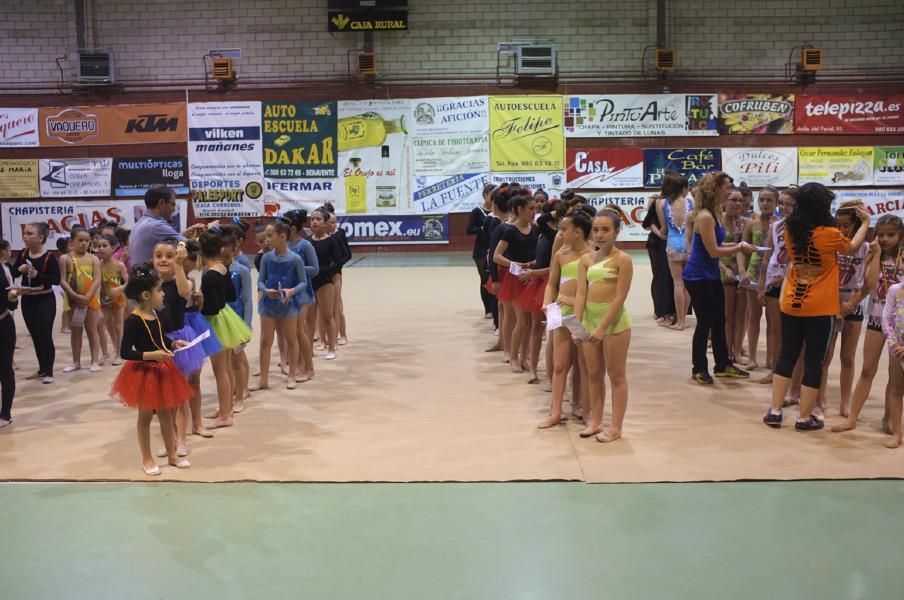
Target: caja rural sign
(113,125)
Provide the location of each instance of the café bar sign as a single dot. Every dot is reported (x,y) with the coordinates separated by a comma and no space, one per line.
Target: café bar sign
(367,15)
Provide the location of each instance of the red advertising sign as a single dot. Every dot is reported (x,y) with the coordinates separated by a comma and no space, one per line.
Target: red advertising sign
(872,114)
(604,168)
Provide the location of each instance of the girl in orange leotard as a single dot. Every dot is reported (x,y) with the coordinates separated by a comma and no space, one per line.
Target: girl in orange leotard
(114,278)
(81,282)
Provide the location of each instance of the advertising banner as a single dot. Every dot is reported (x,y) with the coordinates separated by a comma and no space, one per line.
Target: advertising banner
(888,165)
(450,135)
(877,202)
(551,183)
(374,160)
(133,176)
(693,163)
(526,134)
(75,177)
(634,208)
(299,139)
(18,127)
(456,193)
(759,167)
(604,168)
(653,115)
(110,125)
(283,195)
(836,167)
(226,167)
(396,229)
(757,114)
(19,178)
(62,215)
(869,114)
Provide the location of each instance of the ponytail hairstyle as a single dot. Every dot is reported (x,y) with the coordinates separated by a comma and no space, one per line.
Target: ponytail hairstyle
(673,183)
(142,278)
(43,230)
(814,209)
(296,219)
(282,228)
(581,218)
(192,250)
(518,202)
(500,197)
(211,242)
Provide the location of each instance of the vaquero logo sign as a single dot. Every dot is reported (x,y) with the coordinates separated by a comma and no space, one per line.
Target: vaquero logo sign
(72,126)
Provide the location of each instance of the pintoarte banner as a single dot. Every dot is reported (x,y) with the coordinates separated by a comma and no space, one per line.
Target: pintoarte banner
(226,166)
(374,160)
(652,115)
(604,168)
(693,163)
(18,127)
(19,178)
(633,206)
(759,167)
(552,183)
(877,202)
(450,135)
(75,177)
(62,215)
(845,166)
(526,134)
(449,194)
(867,114)
(133,176)
(756,114)
(396,229)
(112,125)
(299,140)
(888,165)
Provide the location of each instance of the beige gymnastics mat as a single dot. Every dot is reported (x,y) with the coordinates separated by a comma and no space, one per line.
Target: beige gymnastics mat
(413,397)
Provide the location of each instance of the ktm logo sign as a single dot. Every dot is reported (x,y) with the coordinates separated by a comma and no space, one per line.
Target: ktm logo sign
(72,126)
(152,124)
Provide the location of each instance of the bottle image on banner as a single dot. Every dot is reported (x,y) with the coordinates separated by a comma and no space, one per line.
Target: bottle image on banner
(367,130)
(387,193)
(355,188)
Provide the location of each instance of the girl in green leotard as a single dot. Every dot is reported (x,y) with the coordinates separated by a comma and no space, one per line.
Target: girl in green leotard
(755,234)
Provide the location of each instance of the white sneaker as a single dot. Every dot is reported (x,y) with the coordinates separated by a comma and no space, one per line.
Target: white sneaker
(94,368)
(330,355)
(71,368)
(47,379)
(496,332)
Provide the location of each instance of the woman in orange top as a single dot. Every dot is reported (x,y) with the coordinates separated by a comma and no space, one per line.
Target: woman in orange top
(810,300)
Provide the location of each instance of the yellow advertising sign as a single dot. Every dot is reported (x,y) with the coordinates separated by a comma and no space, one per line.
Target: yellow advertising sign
(19,178)
(844,166)
(526,133)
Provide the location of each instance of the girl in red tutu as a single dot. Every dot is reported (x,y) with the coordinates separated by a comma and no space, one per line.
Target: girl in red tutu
(531,299)
(150,380)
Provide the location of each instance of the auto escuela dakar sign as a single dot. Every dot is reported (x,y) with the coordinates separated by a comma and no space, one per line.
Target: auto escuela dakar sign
(367,15)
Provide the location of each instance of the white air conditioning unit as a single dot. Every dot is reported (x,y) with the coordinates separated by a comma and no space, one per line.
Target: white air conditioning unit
(95,67)
(535,59)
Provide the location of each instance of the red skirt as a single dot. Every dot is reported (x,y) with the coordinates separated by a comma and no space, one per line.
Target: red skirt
(501,273)
(531,299)
(150,385)
(511,288)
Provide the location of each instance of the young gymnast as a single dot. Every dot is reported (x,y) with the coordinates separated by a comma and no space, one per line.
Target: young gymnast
(282,282)
(604,279)
(517,250)
(339,233)
(64,248)
(81,281)
(531,299)
(893,328)
(39,268)
(809,298)
(562,290)
(149,379)
(239,230)
(493,228)
(297,220)
(240,278)
(230,329)
(8,301)
(731,268)
(675,207)
(114,278)
(755,233)
(476,220)
(330,255)
(885,269)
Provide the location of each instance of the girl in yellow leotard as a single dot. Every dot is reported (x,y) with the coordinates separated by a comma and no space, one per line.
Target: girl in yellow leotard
(604,279)
(81,282)
(561,289)
(755,233)
(114,278)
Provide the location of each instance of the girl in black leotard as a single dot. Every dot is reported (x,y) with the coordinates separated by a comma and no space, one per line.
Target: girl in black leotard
(330,255)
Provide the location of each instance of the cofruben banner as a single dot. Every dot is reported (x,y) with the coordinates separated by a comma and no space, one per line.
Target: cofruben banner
(888,165)
(75,177)
(836,167)
(756,114)
(604,168)
(871,114)
(526,134)
(653,115)
(759,167)
(395,229)
(62,215)
(693,163)
(18,127)
(112,125)
(19,178)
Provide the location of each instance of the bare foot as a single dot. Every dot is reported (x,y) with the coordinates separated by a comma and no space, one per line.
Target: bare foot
(517,369)
(506,358)
(494,348)
(203,432)
(886,427)
(256,374)
(533,379)
(844,411)
(608,435)
(892,443)
(678,326)
(790,402)
(767,379)
(844,426)
(259,387)
(590,431)
(751,365)
(227,422)
(552,421)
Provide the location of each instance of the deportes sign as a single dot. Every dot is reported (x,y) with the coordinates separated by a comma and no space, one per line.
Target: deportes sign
(112,125)
(869,114)
(132,177)
(604,168)
(74,177)
(396,229)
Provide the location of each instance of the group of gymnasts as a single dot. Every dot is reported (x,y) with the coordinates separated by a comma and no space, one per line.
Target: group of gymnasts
(811,269)
(193,301)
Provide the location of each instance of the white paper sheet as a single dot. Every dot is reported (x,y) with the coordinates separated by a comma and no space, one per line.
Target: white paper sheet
(553,316)
(194,342)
